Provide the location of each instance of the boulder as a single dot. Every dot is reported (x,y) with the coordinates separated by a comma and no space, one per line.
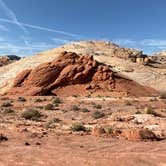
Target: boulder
(139,135)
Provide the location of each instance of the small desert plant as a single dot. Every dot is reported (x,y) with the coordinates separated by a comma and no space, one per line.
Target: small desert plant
(162,96)
(98,114)
(57,101)
(31,114)
(8,111)
(39,100)
(7,104)
(109,130)
(50,123)
(75,108)
(149,110)
(84,110)
(49,107)
(77,127)
(22,99)
(98,106)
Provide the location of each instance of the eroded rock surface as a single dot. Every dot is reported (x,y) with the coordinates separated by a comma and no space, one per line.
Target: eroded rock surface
(70,69)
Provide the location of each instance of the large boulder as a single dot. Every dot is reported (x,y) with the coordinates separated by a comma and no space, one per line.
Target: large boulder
(139,135)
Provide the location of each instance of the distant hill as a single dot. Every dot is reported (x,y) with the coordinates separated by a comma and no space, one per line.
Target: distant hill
(7,59)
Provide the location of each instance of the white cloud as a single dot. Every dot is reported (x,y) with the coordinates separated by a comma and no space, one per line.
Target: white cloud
(42,28)
(61,41)
(18,49)
(124,41)
(153,42)
(11,15)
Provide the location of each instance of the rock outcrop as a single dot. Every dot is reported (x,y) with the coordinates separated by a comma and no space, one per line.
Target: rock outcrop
(7,59)
(79,71)
(139,135)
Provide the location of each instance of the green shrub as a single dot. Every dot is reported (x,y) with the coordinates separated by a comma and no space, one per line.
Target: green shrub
(98,114)
(149,110)
(22,99)
(77,127)
(57,101)
(162,96)
(109,130)
(7,104)
(49,107)
(75,108)
(84,110)
(31,114)
(50,123)
(98,106)
(39,100)
(8,111)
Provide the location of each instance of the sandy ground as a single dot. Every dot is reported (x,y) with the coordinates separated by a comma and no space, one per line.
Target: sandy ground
(31,143)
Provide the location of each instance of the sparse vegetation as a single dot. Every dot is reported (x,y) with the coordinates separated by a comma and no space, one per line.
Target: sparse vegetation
(7,104)
(57,101)
(84,110)
(163,96)
(108,130)
(39,100)
(50,123)
(49,107)
(98,106)
(31,114)
(22,99)
(76,127)
(149,110)
(98,114)
(75,108)
(8,111)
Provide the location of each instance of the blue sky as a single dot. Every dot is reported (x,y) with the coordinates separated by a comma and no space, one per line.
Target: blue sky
(31,26)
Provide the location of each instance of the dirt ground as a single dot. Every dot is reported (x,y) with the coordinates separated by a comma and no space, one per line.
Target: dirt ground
(50,140)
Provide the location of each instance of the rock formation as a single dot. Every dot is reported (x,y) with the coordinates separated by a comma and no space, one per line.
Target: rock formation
(78,71)
(7,59)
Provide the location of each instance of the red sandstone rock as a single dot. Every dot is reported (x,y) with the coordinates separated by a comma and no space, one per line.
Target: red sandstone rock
(139,135)
(98,131)
(70,69)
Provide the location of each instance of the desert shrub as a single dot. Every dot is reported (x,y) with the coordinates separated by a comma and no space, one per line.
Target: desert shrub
(77,127)
(31,114)
(162,96)
(7,104)
(98,114)
(57,101)
(50,123)
(149,110)
(39,100)
(22,99)
(8,111)
(109,130)
(84,110)
(98,106)
(49,107)
(75,108)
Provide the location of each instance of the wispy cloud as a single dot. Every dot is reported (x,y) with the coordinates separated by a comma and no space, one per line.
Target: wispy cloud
(3,28)
(148,45)
(30,47)
(11,15)
(22,50)
(42,28)
(144,42)
(61,41)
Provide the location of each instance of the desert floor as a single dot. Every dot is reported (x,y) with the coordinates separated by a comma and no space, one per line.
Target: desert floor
(50,140)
